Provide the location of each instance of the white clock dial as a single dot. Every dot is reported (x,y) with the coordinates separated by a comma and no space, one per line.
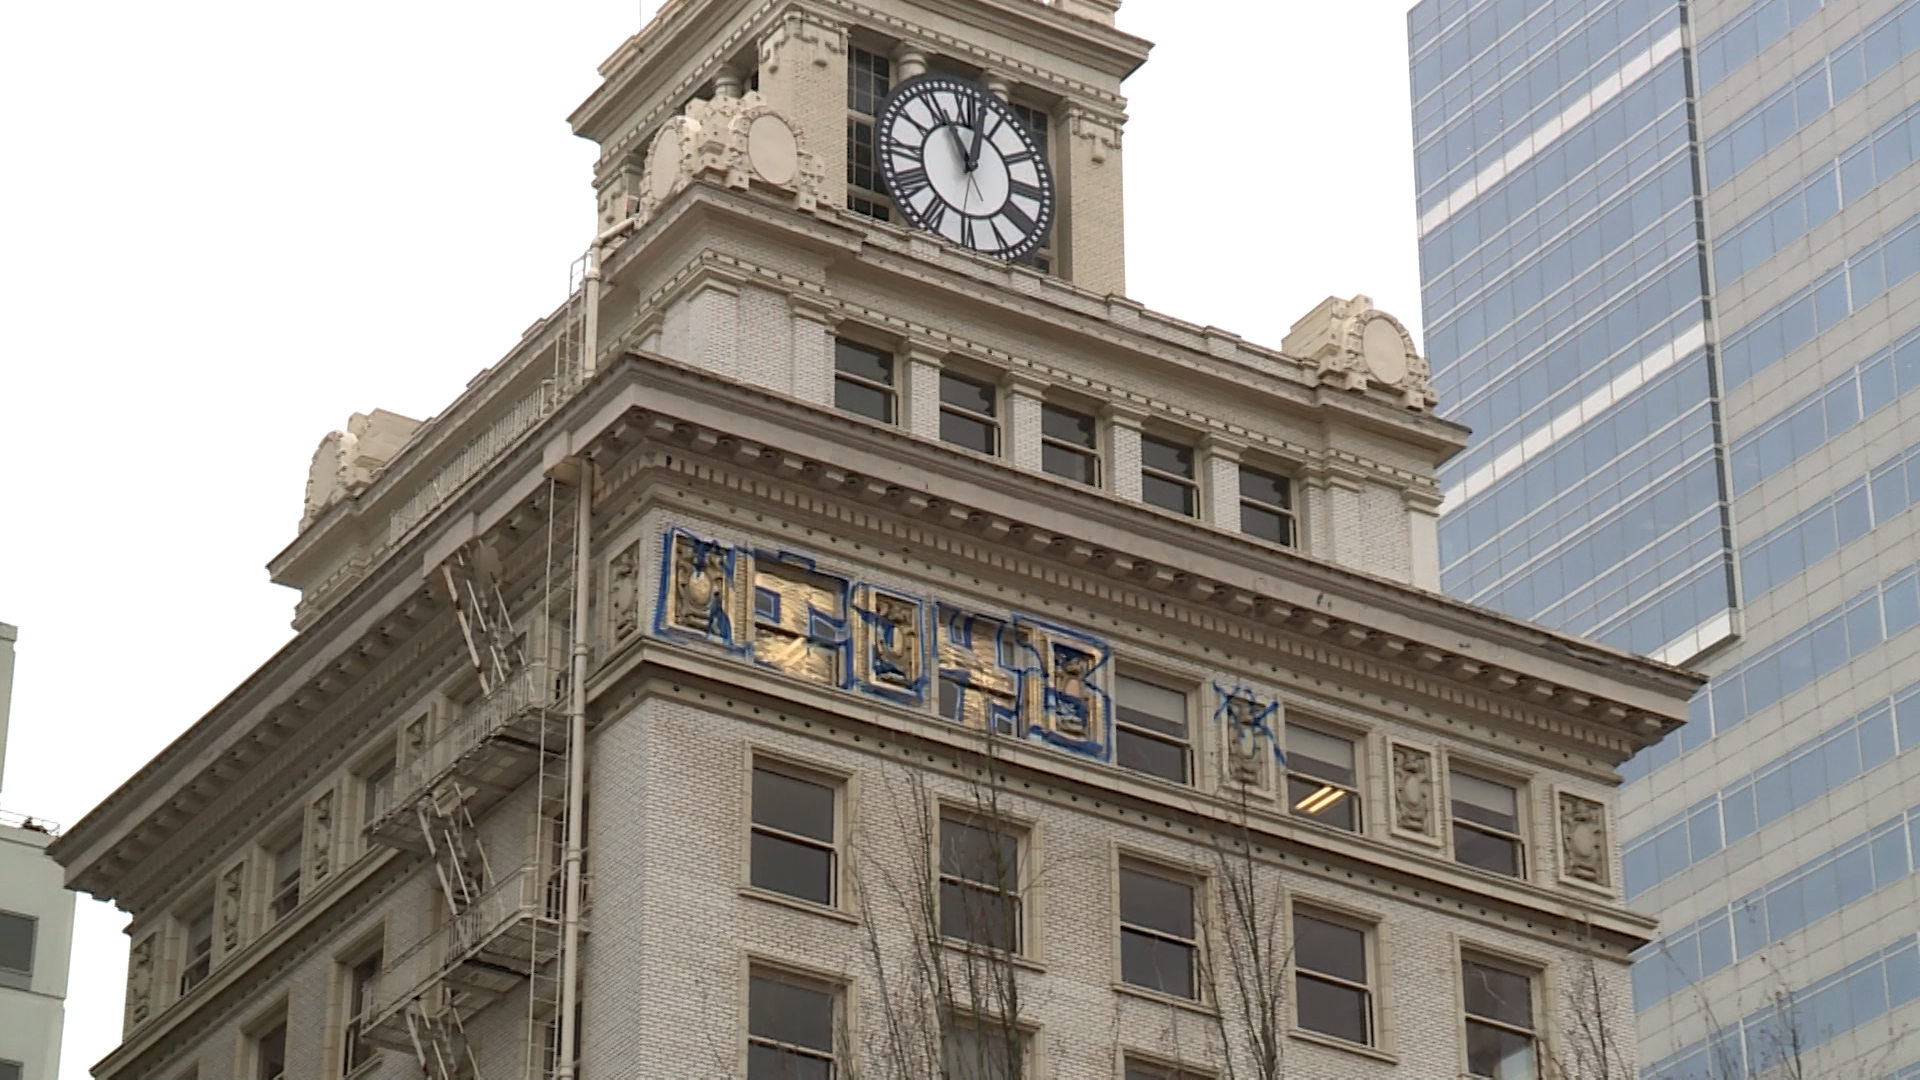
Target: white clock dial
(958,163)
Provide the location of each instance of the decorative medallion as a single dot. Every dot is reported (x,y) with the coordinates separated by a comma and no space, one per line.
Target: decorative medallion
(623,592)
(232,886)
(1583,841)
(889,655)
(140,981)
(1252,732)
(320,838)
(1065,705)
(701,598)
(1413,805)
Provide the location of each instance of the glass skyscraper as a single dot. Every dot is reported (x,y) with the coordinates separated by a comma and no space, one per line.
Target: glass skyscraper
(1670,259)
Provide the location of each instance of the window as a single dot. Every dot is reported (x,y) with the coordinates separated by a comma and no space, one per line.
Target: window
(1137,1070)
(286,880)
(376,792)
(979,1052)
(863,380)
(1150,729)
(980,883)
(1486,825)
(1500,1033)
(789,1030)
(1266,507)
(1332,992)
(1039,124)
(969,413)
(16,949)
(1068,444)
(11,1070)
(1157,932)
(199,951)
(793,836)
(1322,781)
(270,1053)
(1166,476)
(869,77)
(361,983)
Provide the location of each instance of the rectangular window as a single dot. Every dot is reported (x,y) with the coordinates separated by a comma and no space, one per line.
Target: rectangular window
(1333,987)
(793,850)
(969,413)
(1486,825)
(270,1053)
(16,948)
(1069,444)
(789,1029)
(1166,476)
(1150,729)
(286,881)
(199,957)
(1157,939)
(1323,781)
(982,1052)
(11,1070)
(869,77)
(361,983)
(1137,1070)
(1266,507)
(863,380)
(1500,1031)
(376,792)
(980,883)
(1039,124)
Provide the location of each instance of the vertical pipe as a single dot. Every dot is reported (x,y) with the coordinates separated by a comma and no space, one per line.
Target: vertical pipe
(589,349)
(576,770)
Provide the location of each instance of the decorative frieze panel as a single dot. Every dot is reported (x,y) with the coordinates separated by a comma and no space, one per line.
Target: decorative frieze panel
(699,594)
(623,593)
(1249,726)
(1585,855)
(320,839)
(889,645)
(1416,812)
(140,962)
(233,891)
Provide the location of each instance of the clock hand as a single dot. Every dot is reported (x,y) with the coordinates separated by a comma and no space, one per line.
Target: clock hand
(979,126)
(952,126)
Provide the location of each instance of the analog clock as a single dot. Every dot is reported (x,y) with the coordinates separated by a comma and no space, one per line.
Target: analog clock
(957,162)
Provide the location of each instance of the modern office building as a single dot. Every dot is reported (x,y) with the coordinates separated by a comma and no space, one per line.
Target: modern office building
(36,924)
(1669,257)
(851,638)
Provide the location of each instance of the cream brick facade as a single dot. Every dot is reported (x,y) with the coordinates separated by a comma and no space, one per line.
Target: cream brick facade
(412,739)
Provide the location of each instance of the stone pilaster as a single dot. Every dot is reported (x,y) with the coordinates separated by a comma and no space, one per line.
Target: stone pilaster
(1219,474)
(1092,221)
(1024,396)
(813,328)
(1123,450)
(1423,536)
(920,397)
(803,76)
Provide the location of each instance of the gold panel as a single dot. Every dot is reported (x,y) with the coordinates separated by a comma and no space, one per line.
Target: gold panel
(887,644)
(701,593)
(799,620)
(1062,699)
(979,685)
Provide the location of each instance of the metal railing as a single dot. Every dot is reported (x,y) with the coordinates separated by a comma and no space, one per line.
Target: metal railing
(530,690)
(495,927)
(11,820)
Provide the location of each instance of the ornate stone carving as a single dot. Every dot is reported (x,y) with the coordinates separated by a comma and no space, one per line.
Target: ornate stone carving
(799,620)
(1354,345)
(345,462)
(1413,790)
(320,838)
(739,142)
(797,35)
(232,885)
(701,587)
(888,654)
(1583,840)
(623,592)
(1065,705)
(414,742)
(1251,732)
(140,980)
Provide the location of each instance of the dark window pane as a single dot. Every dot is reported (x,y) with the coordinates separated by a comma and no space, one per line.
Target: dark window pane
(1155,757)
(967,394)
(1153,707)
(272,1049)
(1486,802)
(1329,948)
(1273,490)
(1156,903)
(962,430)
(1328,757)
(1166,494)
(1066,425)
(773,1063)
(1071,464)
(981,916)
(785,866)
(1499,1055)
(951,694)
(1266,524)
(1166,457)
(796,1015)
(1331,1009)
(16,943)
(978,854)
(863,361)
(792,805)
(1156,964)
(1495,853)
(1498,994)
(1323,803)
(863,400)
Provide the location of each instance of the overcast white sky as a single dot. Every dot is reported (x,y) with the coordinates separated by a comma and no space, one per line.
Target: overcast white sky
(224,227)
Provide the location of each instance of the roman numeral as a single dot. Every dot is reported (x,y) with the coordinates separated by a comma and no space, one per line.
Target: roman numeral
(1018,156)
(1023,225)
(936,216)
(909,182)
(1021,187)
(966,233)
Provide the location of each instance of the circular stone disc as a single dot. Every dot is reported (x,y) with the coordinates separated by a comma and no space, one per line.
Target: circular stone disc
(665,166)
(1385,353)
(772,151)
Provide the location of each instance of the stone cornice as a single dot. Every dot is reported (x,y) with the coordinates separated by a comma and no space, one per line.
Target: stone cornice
(1405,872)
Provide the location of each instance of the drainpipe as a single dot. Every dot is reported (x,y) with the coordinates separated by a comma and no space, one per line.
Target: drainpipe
(576,765)
(590,354)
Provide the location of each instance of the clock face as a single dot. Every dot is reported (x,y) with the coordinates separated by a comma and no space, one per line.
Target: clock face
(959,163)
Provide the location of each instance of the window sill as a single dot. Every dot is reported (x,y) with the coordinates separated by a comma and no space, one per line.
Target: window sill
(368,1066)
(1199,1008)
(766,896)
(1332,1043)
(995,956)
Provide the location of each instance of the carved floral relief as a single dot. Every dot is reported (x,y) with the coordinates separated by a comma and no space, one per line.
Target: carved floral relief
(623,592)
(701,598)
(232,890)
(320,838)
(889,657)
(1413,791)
(1583,840)
(140,980)
(1065,704)
(1250,728)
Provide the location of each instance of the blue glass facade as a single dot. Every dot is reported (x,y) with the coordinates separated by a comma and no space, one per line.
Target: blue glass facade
(1670,260)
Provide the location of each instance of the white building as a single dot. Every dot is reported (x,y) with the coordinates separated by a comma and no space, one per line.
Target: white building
(36,925)
(933,663)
